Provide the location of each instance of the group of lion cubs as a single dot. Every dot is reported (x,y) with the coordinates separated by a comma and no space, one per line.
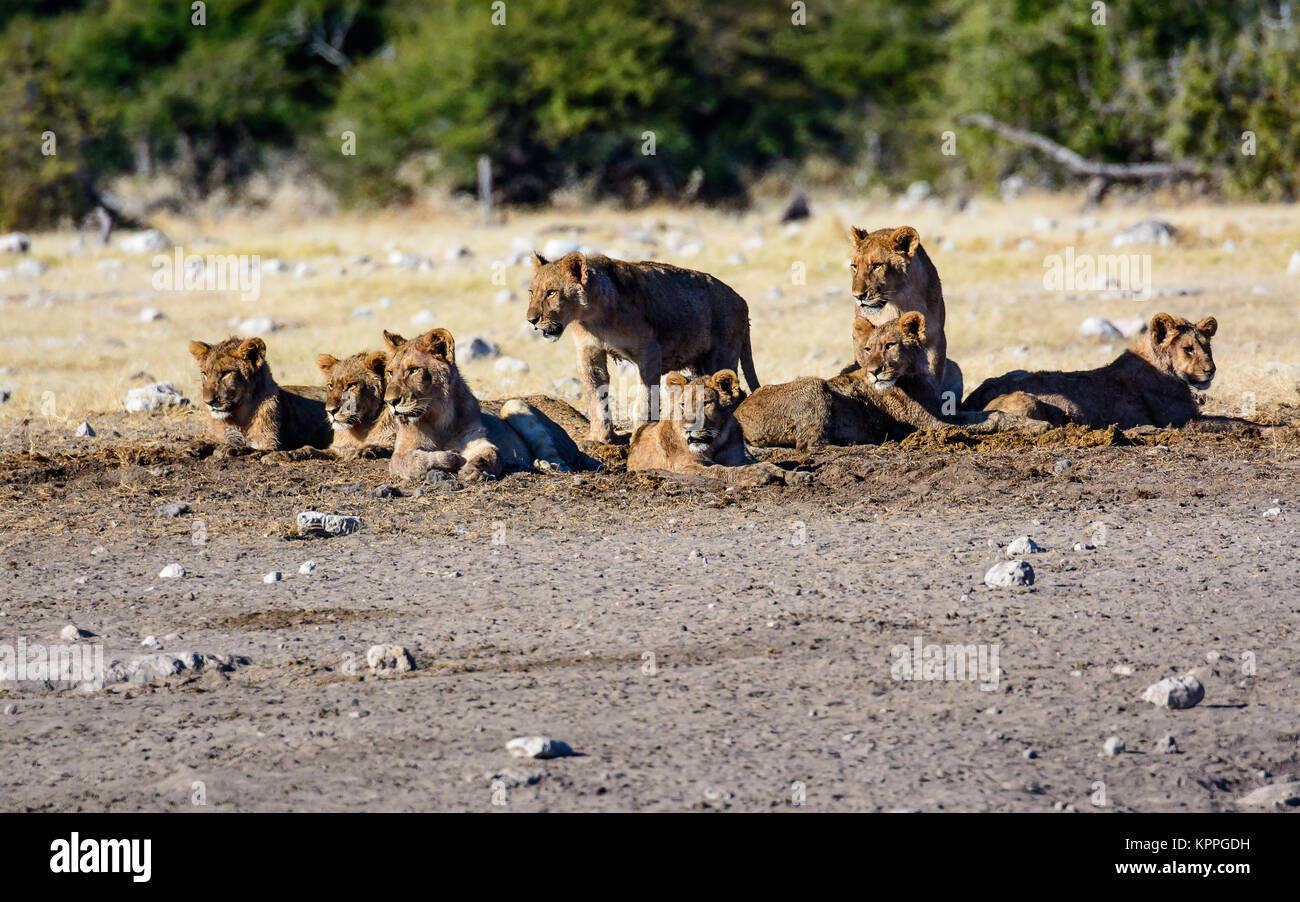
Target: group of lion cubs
(411,402)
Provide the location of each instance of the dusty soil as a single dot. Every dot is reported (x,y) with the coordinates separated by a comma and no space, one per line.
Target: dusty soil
(699,646)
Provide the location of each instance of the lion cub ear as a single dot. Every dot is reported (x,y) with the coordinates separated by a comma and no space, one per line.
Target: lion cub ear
(538,260)
(375,362)
(905,240)
(253,350)
(913,324)
(726,382)
(393,340)
(675,379)
(574,266)
(857,235)
(325,363)
(1163,327)
(1209,326)
(199,350)
(439,343)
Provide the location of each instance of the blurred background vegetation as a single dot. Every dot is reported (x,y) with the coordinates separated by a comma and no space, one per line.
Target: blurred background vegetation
(560,96)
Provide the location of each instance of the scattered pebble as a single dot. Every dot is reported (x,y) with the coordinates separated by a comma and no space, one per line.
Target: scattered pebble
(150,642)
(481,349)
(273,577)
(175,509)
(171,571)
(1151,231)
(306,568)
(153,396)
(71,633)
(1023,545)
(1062,465)
(1096,327)
(1273,796)
(1165,745)
(1029,754)
(385,659)
(314,523)
(510,365)
(1113,746)
(85,430)
(1175,692)
(538,747)
(386,491)
(1009,573)
(15,243)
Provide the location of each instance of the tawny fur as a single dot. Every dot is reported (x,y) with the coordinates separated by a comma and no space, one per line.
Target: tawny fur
(247,409)
(438,421)
(657,316)
(892,275)
(1149,384)
(698,433)
(354,404)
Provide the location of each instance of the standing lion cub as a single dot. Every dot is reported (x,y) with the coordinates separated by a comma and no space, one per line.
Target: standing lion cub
(659,317)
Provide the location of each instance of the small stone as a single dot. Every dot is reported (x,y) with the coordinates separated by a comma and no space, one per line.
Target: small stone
(1062,465)
(1113,746)
(85,430)
(1165,745)
(556,248)
(306,568)
(510,365)
(1293,266)
(149,314)
(504,296)
(175,509)
(150,241)
(422,318)
(1272,513)
(386,491)
(1023,545)
(1096,327)
(1175,692)
(1122,670)
(150,642)
(15,243)
(171,571)
(31,269)
(1008,574)
(314,523)
(153,396)
(1151,231)
(1029,754)
(481,349)
(71,633)
(273,577)
(566,389)
(538,747)
(385,659)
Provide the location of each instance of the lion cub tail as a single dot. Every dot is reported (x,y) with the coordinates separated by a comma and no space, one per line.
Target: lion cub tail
(747,363)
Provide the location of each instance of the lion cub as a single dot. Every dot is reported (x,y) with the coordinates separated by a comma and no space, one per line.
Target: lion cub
(893,275)
(890,394)
(354,404)
(1149,384)
(698,432)
(440,425)
(248,409)
(659,317)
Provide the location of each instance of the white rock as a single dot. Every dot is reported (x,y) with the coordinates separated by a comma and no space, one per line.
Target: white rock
(1293,267)
(1096,327)
(504,296)
(85,430)
(1165,745)
(149,314)
(151,642)
(303,271)
(361,313)
(1044,224)
(150,241)
(422,318)
(566,389)
(70,633)
(389,659)
(314,523)
(1009,573)
(306,568)
(31,269)
(1175,692)
(1151,231)
(455,252)
(1113,746)
(385,302)
(1023,545)
(538,747)
(15,243)
(481,349)
(274,265)
(258,325)
(273,577)
(153,396)
(556,248)
(510,365)
(1130,326)
(171,571)
(1272,513)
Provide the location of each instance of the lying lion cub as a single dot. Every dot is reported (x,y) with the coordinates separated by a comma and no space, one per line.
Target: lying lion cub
(354,403)
(893,275)
(248,410)
(890,394)
(659,317)
(440,425)
(698,433)
(1149,384)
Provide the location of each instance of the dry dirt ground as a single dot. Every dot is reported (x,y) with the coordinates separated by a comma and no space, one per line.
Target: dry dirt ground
(699,647)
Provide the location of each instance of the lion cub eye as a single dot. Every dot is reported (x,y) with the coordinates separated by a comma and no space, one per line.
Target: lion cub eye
(552,293)
(853,267)
(413,371)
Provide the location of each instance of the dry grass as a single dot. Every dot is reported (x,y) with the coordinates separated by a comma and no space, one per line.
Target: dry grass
(76,330)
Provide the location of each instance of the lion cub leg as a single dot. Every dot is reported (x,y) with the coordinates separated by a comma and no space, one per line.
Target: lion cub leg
(593,374)
(414,464)
(482,461)
(528,422)
(1024,405)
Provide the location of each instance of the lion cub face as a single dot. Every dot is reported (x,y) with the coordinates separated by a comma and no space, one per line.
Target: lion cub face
(879,264)
(230,371)
(890,352)
(419,373)
(1184,347)
(703,408)
(557,293)
(354,389)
